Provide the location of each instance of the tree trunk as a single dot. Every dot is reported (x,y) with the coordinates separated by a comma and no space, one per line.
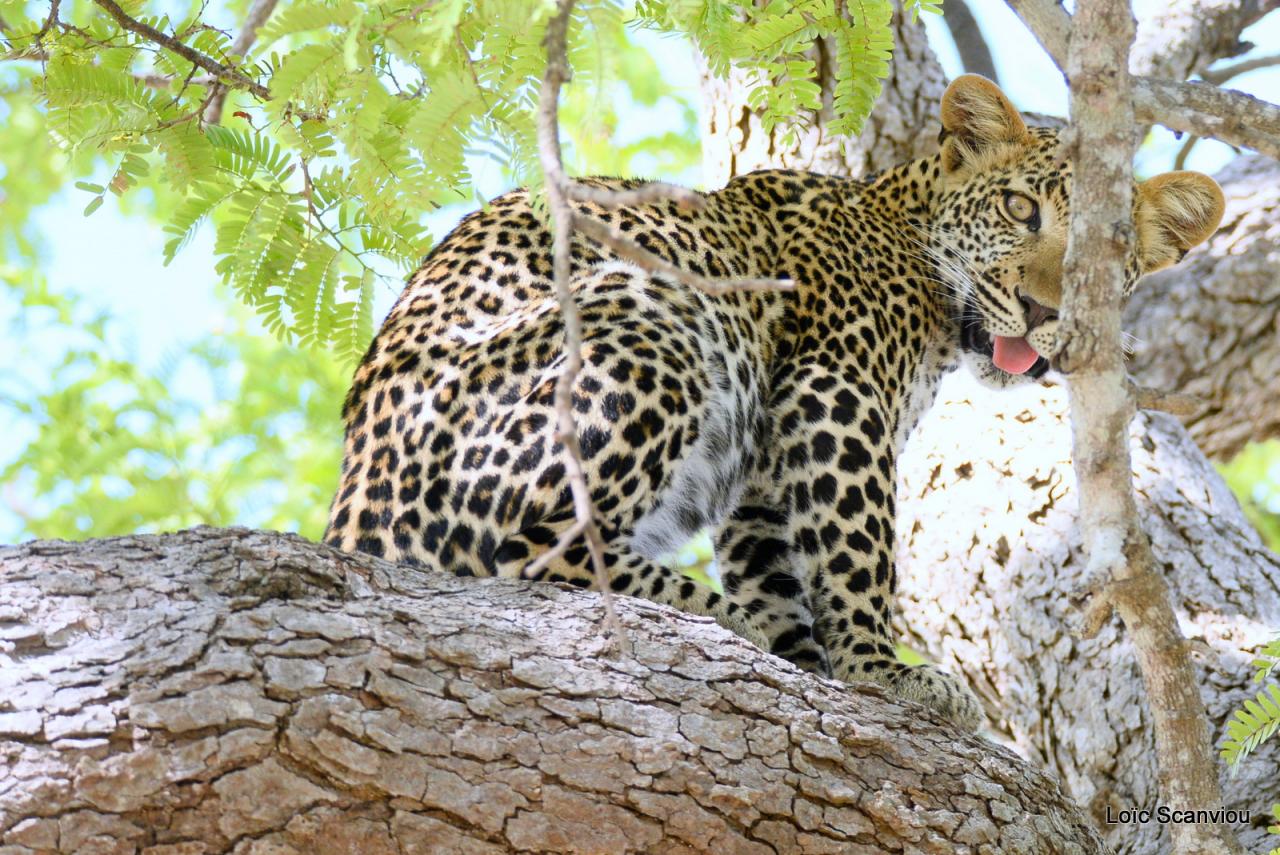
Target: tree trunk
(228,690)
(991,555)
(988,547)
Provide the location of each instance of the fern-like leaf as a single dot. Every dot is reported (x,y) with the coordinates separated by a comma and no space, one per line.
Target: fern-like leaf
(305,17)
(1257,722)
(1268,660)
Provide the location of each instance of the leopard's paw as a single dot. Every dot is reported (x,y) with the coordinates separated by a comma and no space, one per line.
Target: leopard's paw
(740,626)
(940,692)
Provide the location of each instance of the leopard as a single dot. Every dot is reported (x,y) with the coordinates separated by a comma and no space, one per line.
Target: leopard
(772,419)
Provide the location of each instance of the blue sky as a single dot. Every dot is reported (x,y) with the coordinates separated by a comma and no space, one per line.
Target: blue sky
(115,261)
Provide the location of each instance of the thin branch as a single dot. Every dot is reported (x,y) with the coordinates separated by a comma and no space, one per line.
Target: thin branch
(647,194)
(1219,76)
(224,74)
(258,14)
(1174,403)
(49,22)
(560,191)
(632,251)
(1121,567)
(30,53)
(534,568)
(1180,160)
(562,220)
(1195,108)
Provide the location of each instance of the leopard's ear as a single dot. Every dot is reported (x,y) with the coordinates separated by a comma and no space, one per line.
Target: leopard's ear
(1174,212)
(976,117)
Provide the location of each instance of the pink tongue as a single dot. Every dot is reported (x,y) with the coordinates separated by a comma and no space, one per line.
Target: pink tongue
(1014,355)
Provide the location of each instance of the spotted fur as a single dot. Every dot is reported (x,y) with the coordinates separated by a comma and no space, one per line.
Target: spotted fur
(775,419)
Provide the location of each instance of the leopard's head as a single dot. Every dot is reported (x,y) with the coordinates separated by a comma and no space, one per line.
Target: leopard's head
(998,230)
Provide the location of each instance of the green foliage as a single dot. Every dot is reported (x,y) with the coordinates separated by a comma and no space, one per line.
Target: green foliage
(697,560)
(1259,719)
(120,447)
(234,430)
(773,42)
(1254,476)
(31,170)
(375,107)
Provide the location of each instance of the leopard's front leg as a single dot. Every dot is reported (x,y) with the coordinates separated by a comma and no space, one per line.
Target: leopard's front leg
(841,509)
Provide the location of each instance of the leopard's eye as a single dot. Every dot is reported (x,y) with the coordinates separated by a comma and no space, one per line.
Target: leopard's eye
(1022,209)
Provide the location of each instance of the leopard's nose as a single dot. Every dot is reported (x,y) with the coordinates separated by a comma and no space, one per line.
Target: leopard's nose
(1036,313)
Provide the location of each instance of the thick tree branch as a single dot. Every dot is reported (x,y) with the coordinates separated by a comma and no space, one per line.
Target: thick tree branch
(222,73)
(990,547)
(1195,108)
(1188,36)
(975,54)
(1207,111)
(1120,564)
(225,690)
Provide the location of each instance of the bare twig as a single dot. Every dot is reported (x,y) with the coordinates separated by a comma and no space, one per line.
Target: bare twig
(1219,76)
(185,117)
(647,194)
(1195,108)
(1121,568)
(49,22)
(223,73)
(1174,403)
(1180,160)
(560,192)
(562,220)
(632,251)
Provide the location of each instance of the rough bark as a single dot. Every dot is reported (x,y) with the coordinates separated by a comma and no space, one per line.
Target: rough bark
(1187,37)
(990,555)
(1197,108)
(1210,111)
(228,690)
(989,549)
(1211,326)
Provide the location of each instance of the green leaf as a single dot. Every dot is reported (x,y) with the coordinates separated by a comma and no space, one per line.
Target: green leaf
(94,204)
(1251,726)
